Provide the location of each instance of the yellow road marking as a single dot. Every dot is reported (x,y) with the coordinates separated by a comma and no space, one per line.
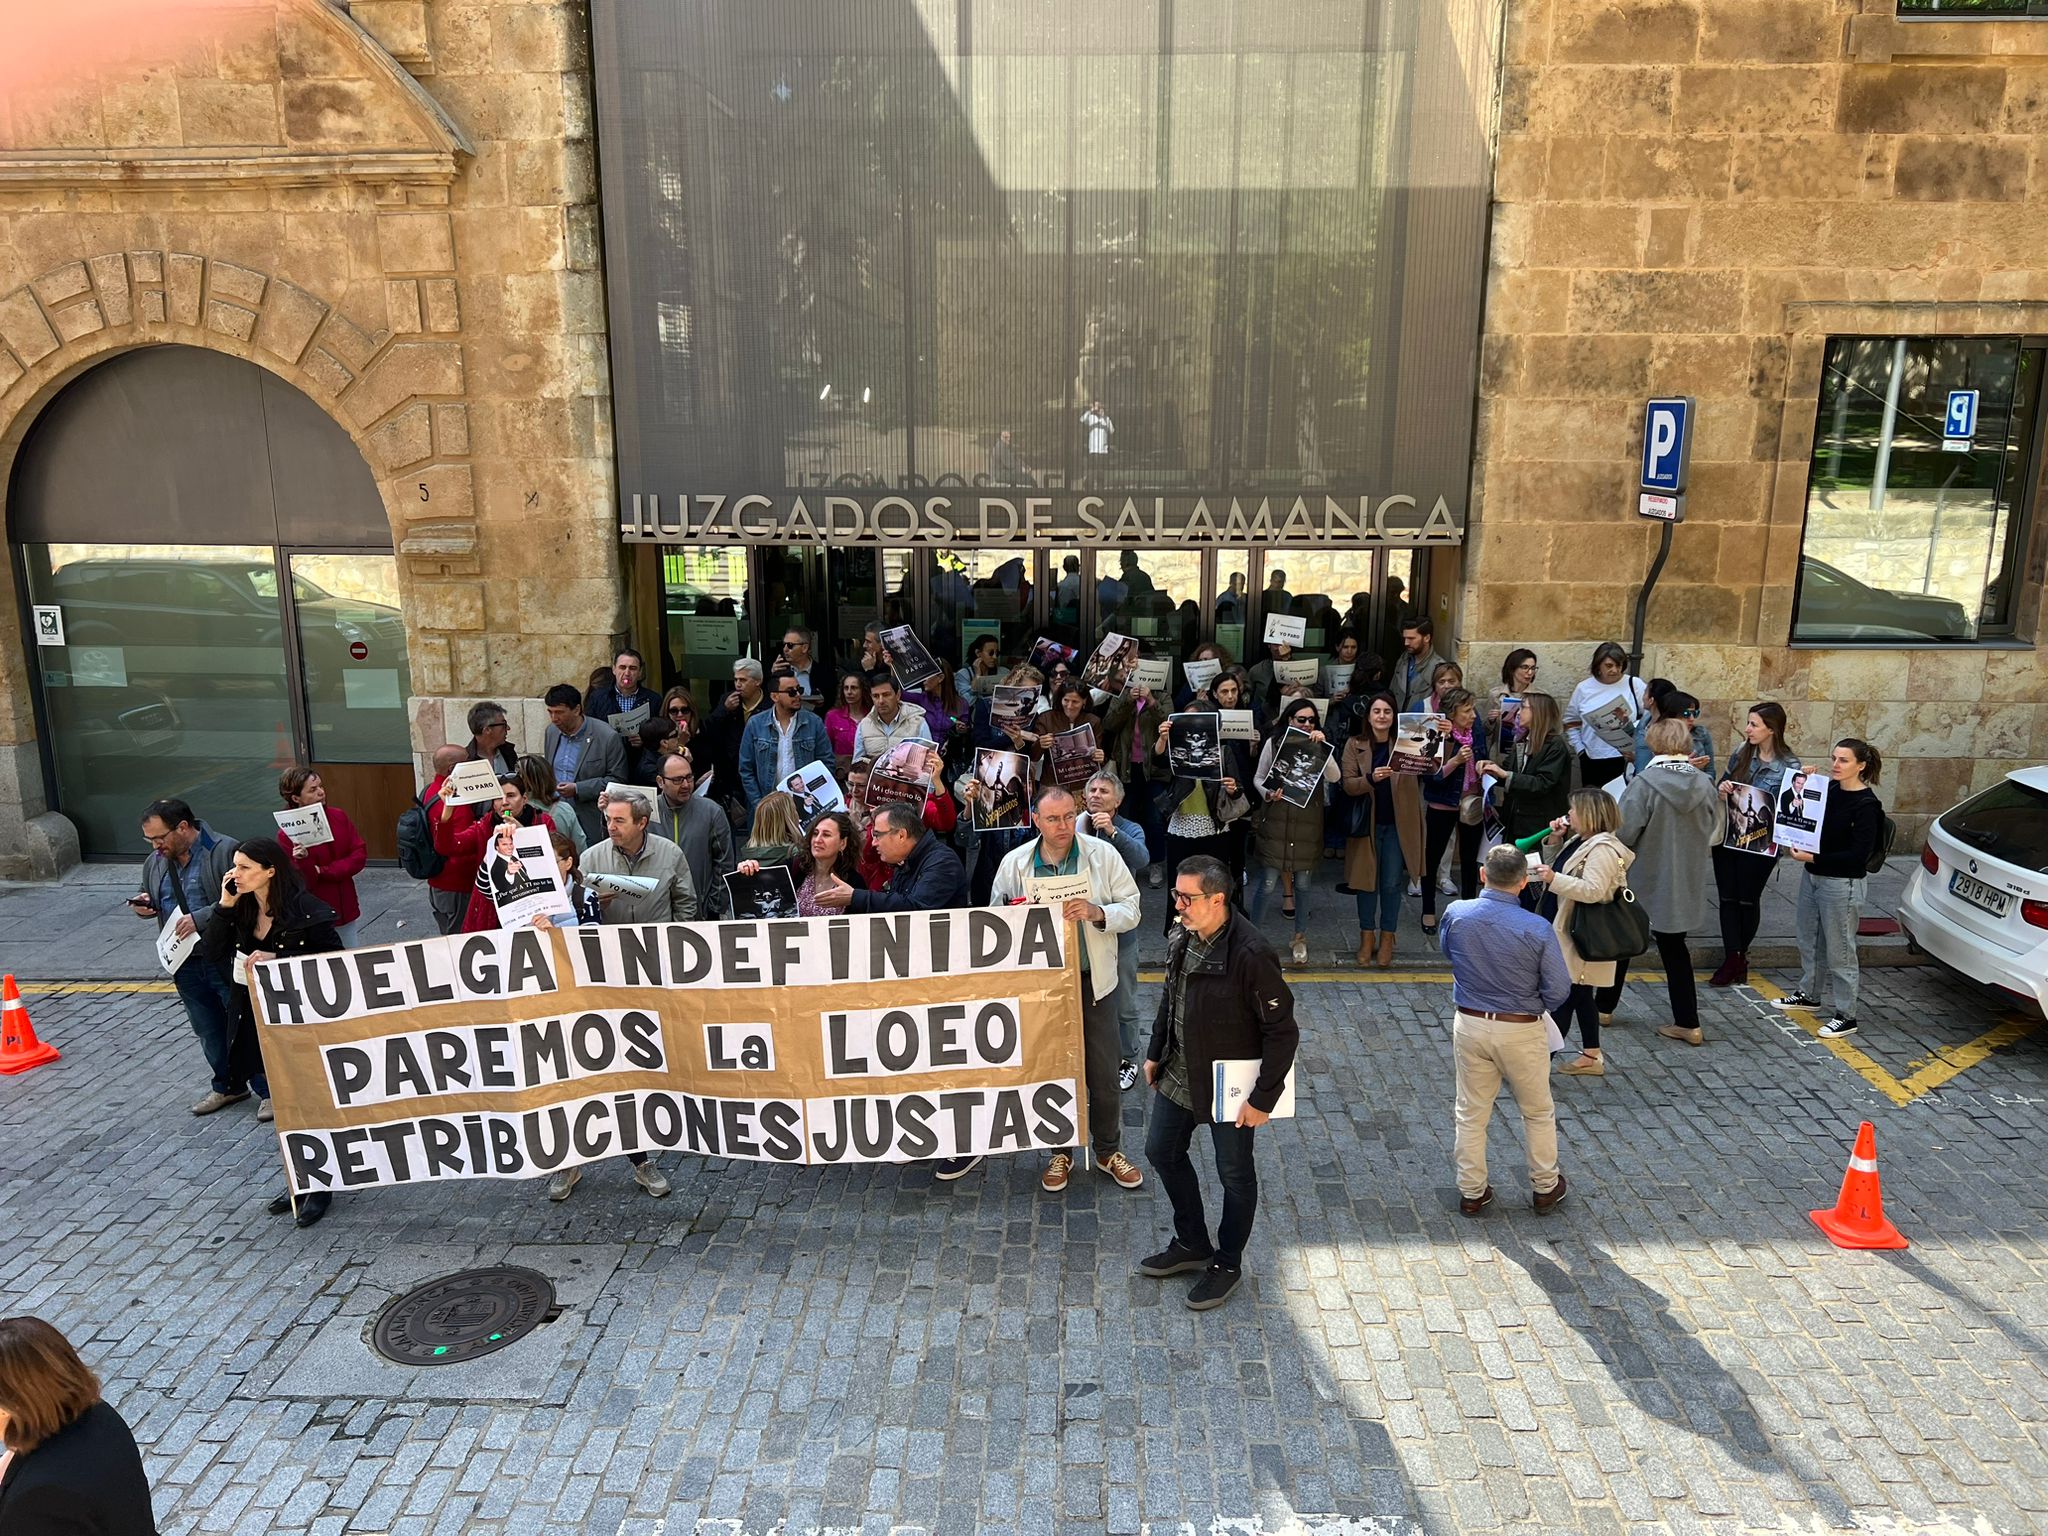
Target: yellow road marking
(46,988)
(1948,1062)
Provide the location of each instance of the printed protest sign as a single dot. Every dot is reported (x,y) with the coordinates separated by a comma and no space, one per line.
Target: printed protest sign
(1239,724)
(1012,708)
(1002,795)
(1752,821)
(1073,756)
(1194,744)
(1109,668)
(1200,674)
(172,951)
(305,825)
(908,657)
(1298,765)
(1285,629)
(1801,805)
(471,783)
(525,881)
(1045,654)
(627,722)
(815,789)
(769,893)
(1154,673)
(1055,890)
(1422,742)
(1301,673)
(510,1054)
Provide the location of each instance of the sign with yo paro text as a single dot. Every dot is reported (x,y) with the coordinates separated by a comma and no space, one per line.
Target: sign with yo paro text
(892,1037)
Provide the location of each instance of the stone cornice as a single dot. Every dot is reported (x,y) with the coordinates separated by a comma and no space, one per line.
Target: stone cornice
(217,169)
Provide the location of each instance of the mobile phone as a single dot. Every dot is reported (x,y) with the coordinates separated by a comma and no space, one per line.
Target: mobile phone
(232,888)
(140,900)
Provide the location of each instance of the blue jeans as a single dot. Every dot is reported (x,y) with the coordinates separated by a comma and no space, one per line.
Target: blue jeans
(1380,910)
(1826,921)
(1259,887)
(1127,1024)
(1167,1138)
(210,1006)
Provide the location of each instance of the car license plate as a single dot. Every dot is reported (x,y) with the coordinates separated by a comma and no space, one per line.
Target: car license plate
(1978,894)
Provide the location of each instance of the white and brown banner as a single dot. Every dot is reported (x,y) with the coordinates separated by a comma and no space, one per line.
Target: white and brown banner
(887,1038)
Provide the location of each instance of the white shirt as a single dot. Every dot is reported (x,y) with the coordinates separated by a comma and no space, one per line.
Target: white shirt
(1593,696)
(785,746)
(1099,427)
(876,736)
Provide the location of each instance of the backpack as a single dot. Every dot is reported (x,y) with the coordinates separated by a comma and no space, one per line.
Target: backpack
(1887,834)
(417,855)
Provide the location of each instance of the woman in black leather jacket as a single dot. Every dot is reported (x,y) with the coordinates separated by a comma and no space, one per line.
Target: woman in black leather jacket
(266,913)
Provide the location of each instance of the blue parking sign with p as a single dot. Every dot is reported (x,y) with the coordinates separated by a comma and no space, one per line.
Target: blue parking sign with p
(1961,418)
(1667,444)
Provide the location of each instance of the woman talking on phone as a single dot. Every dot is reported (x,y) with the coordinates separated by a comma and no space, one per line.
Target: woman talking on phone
(266,913)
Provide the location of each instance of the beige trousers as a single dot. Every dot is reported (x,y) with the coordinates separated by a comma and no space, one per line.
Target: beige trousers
(1488,1051)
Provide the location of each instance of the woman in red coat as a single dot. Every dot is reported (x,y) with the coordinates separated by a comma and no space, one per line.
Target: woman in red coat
(940,817)
(460,844)
(328,869)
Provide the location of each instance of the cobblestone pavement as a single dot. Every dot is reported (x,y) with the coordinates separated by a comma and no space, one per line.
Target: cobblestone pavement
(1673,1349)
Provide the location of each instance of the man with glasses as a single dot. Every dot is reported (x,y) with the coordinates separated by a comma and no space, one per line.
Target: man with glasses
(1224,1000)
(627,691)
(796,655)
(780,740)
(1110,908)
(927,874)
(181,881)
(698,828)
(489,737)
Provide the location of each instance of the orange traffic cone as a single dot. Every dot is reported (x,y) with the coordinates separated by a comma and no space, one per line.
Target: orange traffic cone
(1858,1219)
(19,1047)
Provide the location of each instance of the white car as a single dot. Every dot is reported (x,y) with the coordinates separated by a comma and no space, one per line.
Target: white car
(1978,903)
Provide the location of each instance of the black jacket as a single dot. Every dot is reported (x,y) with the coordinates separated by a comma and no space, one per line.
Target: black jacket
(1851,827)
(1540,790)
(1238,1008)
(305,927)
(85,1480)
(931,878)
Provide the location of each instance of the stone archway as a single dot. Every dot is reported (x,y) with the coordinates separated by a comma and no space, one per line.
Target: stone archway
(401,397)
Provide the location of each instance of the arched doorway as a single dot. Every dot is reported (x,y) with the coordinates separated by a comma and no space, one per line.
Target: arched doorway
(225,595)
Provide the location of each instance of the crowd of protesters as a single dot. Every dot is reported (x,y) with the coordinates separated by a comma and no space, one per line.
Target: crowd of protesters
(651,803)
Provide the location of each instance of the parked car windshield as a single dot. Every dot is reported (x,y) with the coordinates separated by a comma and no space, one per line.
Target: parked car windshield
(2008,821)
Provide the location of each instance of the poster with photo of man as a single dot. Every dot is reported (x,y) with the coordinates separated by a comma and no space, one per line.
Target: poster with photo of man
(770,893)
(1047,654)
(1003,793)
(1194,744)
(816,790)
(1801,805)
(1109,668)
(1422,742)
(1073,756)
(524,879)
(1298,765)
(908,657)
(1752,821)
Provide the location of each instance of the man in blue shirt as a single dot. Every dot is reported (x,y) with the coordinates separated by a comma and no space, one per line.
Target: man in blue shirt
(1507,971)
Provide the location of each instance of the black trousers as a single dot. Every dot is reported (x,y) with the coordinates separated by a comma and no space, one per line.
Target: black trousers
(1440,825)
(1584,1007)
(1739,883)
(1679,983)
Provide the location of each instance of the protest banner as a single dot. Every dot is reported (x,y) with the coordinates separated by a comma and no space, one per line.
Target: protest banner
(305,825)
(1194,744)
(892,1037)
(909,658)
(1239,724)
(1200,674)
(1299,763)
(1300,672)
(1153,674)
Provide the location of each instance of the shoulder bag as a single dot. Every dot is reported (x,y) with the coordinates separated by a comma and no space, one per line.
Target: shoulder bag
(1615,929)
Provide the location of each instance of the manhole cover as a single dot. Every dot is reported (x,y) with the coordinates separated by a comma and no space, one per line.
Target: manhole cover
(460,1317)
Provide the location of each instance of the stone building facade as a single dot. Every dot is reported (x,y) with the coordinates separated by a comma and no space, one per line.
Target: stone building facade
(390,205)
(1692,196)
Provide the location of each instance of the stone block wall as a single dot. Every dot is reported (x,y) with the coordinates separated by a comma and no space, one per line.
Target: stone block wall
(392,205)
(1691,197)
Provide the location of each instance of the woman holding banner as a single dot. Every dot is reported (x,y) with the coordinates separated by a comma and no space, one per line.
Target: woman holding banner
(329,869)
(479,839)
(1756,773)
(266,913)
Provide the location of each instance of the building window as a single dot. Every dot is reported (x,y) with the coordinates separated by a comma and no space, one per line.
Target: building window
(1965,10)
(1914,532)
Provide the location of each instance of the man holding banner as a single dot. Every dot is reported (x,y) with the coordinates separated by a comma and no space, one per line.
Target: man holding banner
(1087,880)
